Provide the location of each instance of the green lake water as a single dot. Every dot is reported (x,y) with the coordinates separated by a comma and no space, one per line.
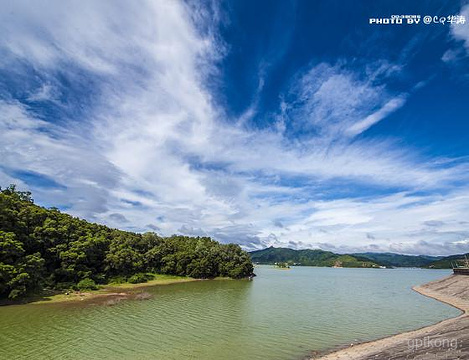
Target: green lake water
(281,314)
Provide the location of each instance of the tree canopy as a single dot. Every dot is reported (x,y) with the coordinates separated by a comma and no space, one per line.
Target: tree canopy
(42,247)
(309,257)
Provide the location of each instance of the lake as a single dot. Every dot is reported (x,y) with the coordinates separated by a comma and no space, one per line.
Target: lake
(281,314)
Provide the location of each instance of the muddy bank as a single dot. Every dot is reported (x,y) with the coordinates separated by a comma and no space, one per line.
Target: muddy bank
(107,295)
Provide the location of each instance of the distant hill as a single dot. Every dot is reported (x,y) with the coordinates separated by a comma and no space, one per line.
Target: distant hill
(309,257)
(446,262)
(398,260)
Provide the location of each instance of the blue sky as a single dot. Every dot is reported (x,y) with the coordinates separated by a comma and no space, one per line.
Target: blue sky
(284,123)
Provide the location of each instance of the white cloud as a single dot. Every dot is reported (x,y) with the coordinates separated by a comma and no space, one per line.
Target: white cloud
(46,92)
(33,145)
(461,31)
(154,151)
(388,108)
(333,101)
(390,223)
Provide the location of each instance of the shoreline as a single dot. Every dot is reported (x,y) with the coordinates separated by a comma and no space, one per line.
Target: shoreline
(107,293)
(420,343)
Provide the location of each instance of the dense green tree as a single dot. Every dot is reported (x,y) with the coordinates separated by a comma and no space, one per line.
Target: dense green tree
(46,248)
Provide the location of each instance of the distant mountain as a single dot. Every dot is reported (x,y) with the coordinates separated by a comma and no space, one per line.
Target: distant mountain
(398,260)
(309,257)
(446,262)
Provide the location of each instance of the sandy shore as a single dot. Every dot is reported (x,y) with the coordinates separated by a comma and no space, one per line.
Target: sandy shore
(448,339)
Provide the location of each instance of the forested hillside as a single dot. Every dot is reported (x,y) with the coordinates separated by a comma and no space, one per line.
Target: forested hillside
(46,248)
(309,257)
(449,261)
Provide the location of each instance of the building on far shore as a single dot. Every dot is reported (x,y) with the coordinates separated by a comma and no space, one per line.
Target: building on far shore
(459,269)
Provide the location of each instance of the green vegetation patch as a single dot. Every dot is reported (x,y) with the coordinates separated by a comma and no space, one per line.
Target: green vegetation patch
(86,284)
(140,278)
(47,249)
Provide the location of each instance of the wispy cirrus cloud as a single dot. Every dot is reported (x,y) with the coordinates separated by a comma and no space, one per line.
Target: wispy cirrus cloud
(336,102)
(380,114)
(121,115)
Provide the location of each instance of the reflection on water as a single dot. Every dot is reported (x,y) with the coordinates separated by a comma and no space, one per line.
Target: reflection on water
(282,314)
